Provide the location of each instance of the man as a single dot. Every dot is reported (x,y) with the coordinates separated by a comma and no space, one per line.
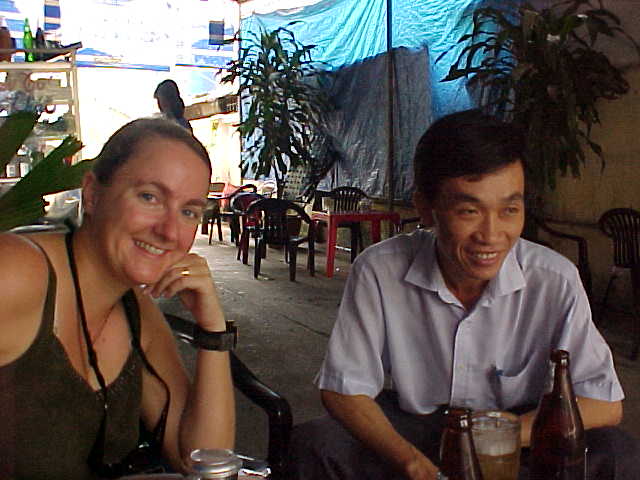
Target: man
(466,314)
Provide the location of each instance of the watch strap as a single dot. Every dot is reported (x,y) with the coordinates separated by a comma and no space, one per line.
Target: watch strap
(217,341)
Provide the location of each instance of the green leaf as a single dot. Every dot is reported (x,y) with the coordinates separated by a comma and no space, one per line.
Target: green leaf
(13,132)
(23,203)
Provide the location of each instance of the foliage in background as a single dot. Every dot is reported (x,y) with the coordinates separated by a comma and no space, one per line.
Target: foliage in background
(23,203)
(541,70)
(285,116)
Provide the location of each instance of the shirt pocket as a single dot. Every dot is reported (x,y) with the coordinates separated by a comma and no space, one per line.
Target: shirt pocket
(518,388)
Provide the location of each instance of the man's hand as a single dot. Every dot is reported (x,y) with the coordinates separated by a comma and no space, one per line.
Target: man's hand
(366,421)
(420,467)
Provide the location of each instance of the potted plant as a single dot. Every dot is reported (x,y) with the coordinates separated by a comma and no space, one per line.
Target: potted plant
(23,203)
(284,120)
(541,69)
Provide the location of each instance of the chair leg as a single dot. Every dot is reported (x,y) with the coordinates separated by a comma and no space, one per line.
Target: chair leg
(234,225)
(219,222)
(311,259)
(355,234)
(601,321)
(635,288)
(635,349)
(293,256)
(243,247)
(210,228)
(257,258)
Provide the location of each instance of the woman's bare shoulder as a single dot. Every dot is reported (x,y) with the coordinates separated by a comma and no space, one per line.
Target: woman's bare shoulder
(22,260)
(23,287)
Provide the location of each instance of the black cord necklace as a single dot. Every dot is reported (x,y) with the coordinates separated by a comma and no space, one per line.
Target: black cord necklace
(91,353)
(96,457)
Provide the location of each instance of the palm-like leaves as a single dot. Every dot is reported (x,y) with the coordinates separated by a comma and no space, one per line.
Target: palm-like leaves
(541,70)
(23,203)
(285,109)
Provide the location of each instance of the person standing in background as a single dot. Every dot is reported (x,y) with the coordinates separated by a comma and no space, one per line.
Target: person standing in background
(170,103)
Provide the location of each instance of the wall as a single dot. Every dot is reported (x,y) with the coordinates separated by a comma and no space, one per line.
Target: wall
(578,203)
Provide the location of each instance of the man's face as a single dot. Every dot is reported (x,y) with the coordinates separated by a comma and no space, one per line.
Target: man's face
(478,219)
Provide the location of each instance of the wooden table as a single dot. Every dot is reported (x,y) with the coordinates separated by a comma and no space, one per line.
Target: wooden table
(333,219)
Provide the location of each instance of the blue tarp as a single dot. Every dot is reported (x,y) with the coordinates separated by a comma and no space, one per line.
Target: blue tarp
(351,38)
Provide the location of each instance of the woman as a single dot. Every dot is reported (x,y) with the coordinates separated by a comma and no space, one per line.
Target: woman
(142,204)
(170,103)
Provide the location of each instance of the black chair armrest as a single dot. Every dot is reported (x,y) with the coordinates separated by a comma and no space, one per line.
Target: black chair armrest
(274,405)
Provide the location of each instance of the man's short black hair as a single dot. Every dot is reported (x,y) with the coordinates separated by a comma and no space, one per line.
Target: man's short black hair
(464,143)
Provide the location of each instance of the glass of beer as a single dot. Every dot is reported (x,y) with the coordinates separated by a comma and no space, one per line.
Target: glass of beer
(496,436)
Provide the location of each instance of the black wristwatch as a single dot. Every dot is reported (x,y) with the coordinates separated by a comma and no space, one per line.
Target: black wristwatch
(218,341)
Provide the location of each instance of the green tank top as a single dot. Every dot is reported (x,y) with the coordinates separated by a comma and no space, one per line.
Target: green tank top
(49,414)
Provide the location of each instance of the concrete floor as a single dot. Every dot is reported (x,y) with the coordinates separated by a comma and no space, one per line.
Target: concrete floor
(284,327)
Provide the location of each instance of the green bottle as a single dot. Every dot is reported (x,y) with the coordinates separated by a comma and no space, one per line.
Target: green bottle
(27,41)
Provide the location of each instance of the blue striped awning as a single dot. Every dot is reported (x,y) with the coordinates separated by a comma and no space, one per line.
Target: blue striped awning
(216,32)
(51,15)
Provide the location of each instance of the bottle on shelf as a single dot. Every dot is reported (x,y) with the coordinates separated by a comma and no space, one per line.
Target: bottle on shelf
(5,41)
(558,448)
(40,43)
(27,41)
(458,459)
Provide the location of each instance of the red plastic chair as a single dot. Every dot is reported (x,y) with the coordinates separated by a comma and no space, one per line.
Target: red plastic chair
(239,205)
(346,199)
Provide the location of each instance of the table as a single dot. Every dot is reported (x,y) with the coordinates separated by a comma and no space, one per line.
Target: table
(333,219)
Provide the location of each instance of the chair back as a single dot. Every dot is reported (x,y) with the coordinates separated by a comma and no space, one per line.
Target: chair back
(622,225)
(241,200)
(227,200)
(346,199)
(274,225)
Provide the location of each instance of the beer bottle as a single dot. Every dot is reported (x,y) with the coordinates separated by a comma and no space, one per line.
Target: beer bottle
(558,446)
(27,41)
(458,460)
(5,41)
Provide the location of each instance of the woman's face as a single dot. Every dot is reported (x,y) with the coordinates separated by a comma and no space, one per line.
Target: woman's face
(146,219)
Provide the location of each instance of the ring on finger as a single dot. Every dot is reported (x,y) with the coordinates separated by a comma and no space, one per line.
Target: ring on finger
(185,272)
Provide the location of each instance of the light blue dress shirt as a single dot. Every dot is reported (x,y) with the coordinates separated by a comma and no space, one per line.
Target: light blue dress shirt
(398,321)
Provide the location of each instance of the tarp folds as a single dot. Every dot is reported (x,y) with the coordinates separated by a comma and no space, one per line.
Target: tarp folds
(351,39)
(359,125)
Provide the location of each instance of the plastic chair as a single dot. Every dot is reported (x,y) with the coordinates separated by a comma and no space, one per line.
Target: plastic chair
(239,205)
(212,209)
(583,253)
(276,407)
(346,199)
(229,216)
(622,225)
(274,229)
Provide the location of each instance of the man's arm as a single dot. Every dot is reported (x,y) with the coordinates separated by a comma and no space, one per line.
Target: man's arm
(366,421)
(594,413)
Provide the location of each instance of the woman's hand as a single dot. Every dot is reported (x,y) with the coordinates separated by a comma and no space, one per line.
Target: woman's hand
(190,279)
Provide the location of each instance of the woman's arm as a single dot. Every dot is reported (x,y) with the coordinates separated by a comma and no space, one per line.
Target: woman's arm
(202,413)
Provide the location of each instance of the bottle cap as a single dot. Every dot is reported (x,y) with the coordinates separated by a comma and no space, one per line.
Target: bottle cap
(215,463)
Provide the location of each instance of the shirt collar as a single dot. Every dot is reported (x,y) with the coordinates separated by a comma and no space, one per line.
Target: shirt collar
(424,272)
